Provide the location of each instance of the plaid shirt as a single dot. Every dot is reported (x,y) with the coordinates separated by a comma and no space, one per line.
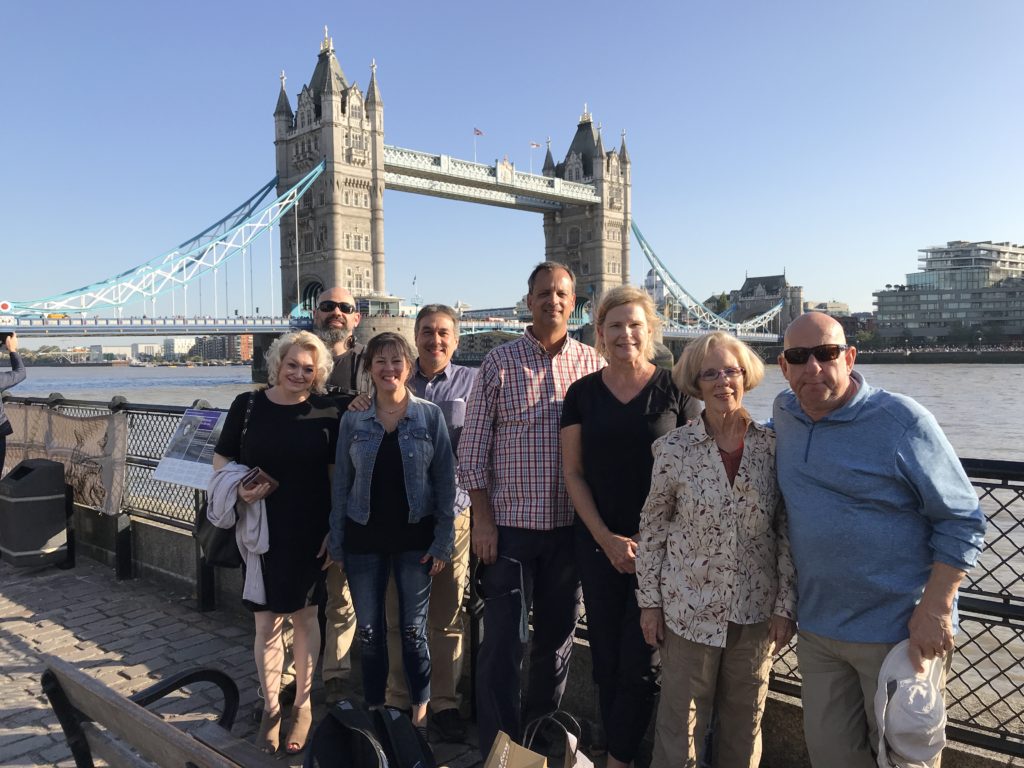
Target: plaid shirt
(510,444)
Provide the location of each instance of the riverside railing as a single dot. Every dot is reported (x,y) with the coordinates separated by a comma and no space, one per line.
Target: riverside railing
(985,691)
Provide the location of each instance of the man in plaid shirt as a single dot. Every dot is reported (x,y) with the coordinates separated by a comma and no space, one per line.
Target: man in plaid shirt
(510,462)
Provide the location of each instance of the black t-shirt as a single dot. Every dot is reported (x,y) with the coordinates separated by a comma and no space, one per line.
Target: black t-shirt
(617,437)
(388,531)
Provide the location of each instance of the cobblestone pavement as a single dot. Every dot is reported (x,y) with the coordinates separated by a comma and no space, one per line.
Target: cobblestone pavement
(128,634)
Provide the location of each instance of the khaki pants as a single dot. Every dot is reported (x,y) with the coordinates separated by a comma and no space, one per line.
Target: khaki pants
(340,627)
(445,629)
(698,679)
(839,681)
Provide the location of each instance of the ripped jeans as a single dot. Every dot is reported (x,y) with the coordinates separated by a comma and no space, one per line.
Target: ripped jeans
(368,581)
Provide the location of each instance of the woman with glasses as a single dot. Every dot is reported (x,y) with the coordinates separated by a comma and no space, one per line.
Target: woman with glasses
(609,420)
(392,516)
(716,581)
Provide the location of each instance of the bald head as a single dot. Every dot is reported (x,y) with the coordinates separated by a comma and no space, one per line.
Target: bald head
(815,325)
(822,382)
(335,324)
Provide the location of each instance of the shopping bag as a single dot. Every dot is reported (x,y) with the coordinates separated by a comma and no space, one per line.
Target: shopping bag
(505,753)
(561,722)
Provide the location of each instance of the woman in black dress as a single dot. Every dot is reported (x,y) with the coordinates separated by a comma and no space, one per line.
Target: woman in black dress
(609,421)
(291,434)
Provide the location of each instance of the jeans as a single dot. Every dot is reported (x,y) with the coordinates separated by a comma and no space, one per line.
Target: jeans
(444,629)
(534,568)
(368,582)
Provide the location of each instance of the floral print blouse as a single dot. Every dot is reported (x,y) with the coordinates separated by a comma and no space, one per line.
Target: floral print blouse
(709,552)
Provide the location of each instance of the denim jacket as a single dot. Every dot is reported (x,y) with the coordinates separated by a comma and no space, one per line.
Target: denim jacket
(427,463)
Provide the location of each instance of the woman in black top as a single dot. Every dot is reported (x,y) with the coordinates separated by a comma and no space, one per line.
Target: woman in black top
(609,421)
(291,434)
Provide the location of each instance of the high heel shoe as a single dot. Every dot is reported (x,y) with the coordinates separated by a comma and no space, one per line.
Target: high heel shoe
(268,738)
(301,720)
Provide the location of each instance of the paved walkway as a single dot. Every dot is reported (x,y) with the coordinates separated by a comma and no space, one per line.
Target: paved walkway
(128,634)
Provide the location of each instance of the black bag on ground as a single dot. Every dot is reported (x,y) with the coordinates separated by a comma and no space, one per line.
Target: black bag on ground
(346,738)
(351,736)
(217,544)
(403,744)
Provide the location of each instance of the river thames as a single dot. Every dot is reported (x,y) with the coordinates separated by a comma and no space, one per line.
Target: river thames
(980,407)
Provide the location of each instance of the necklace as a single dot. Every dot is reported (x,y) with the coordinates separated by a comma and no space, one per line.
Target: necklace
(400,407)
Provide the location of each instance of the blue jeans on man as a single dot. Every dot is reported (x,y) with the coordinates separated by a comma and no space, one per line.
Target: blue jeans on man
(368,576)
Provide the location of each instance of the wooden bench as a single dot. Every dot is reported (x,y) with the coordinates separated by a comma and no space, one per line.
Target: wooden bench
(100,723)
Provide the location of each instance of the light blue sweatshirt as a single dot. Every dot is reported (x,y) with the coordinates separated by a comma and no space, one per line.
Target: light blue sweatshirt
(875,494)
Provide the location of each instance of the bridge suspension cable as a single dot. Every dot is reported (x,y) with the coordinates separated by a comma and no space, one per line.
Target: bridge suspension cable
(189,261)
(695,309)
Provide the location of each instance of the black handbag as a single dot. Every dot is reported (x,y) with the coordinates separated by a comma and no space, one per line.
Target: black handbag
(218,545)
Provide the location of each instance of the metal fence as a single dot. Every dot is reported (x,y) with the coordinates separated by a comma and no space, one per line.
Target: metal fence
(150,428)
(986,688)
(985,691)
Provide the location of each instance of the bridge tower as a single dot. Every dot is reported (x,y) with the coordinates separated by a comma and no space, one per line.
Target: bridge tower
(593,240)
(341,218)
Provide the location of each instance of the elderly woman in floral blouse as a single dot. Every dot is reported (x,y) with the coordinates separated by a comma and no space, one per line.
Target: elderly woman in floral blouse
(716,582)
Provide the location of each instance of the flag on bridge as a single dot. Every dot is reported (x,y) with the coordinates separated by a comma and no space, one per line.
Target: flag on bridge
(534,145)
(477,132)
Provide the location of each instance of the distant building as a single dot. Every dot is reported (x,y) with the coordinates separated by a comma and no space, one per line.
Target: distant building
(140,351)
(965,291)
(833,308)
(234,347)
(473,346)
(759,294)
(177,346)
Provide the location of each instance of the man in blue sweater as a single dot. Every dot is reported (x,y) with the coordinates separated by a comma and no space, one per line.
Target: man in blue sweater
(883,525)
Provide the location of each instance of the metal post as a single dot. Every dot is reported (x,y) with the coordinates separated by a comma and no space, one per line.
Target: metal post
(270,263)
(298,296)
(123,547)
(245,306)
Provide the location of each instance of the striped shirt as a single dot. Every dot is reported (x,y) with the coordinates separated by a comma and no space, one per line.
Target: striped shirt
(510,445)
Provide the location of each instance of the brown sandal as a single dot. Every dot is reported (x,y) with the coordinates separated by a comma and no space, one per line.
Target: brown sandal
(270,729)
(301,720)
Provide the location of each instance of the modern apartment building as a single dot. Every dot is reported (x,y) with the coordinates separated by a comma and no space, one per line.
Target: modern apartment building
(964,292)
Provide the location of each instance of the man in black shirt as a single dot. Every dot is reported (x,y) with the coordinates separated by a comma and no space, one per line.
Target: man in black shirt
(334,320)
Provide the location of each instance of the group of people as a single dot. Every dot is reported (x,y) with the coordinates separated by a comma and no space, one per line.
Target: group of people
(357,450)
(702,539)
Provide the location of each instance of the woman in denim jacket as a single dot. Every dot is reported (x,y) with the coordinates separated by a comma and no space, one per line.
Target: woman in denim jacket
(392,512)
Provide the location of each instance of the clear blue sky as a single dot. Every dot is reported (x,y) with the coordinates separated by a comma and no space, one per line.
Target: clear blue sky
(831,140)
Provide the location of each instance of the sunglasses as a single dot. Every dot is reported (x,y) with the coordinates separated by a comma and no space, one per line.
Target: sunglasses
(330,306)
(823,353)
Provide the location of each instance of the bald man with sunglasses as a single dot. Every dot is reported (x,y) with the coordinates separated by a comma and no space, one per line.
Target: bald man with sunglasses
(883,525)
(335,318)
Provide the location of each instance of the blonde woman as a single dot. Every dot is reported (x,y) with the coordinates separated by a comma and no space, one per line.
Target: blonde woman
(716,580)
(609,420)
(290,431)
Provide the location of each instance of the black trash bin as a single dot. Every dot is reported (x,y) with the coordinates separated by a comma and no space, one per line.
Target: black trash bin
(33,517)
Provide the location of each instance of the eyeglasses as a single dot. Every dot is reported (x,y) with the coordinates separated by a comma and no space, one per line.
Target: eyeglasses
(330,306)
(823,353)
(713,374)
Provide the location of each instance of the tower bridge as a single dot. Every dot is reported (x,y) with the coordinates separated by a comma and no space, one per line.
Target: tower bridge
(332,170)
